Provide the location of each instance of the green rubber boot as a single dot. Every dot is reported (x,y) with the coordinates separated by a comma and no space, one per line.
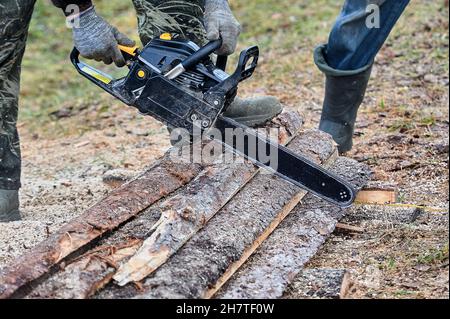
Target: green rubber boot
(344,93)
(255,111)
(9,206)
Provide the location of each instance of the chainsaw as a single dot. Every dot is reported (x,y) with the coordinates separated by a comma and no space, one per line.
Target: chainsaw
(177,82)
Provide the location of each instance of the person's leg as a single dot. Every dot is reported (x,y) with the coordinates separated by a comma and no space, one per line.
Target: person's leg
(15,17)
(356,37)
(184,19)
(181,18)
(347,62)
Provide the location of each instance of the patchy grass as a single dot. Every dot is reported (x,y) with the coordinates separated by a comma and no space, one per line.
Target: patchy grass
(434,256)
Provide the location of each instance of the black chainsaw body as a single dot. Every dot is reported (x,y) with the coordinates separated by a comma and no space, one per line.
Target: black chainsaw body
(195,97)
(177,83)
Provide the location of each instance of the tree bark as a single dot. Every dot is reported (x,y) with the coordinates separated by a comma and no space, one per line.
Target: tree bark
(231,236)
(320,284)
(186,213)
(281,257)
(164,228)
(163,178)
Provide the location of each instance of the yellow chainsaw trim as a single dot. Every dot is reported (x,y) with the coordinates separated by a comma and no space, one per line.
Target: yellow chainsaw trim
(166,36)
(96,74)
(130,50)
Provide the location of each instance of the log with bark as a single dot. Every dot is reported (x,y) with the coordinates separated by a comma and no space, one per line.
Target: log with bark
(320,284)
(272,268)
(212,256)
(179,218)
(184,215)
(161,179)
(163,229)
(395,215)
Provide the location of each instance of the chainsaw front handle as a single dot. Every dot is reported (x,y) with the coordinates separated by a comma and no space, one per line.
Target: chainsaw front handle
(202,54)
(194,59)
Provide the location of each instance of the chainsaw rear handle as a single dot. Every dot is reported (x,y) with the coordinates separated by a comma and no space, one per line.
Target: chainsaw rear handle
(100,78)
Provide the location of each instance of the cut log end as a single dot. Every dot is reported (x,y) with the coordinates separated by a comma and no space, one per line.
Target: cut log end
(377,196)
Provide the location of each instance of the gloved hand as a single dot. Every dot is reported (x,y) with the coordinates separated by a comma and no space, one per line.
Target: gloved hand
(97,39)
(220,22)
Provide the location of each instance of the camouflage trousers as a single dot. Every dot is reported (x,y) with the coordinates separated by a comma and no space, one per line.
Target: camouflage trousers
(15,17)
(182,18)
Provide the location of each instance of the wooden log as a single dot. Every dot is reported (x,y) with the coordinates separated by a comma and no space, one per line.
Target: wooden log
(232,235)
(184,215)
(320,284)
(161,179)
(164,228)
(387,214)
(378,193)
(268,273)
(84,276)
(179,218)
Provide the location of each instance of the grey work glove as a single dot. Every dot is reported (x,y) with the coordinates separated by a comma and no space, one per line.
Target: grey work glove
(97,39)
(220,22)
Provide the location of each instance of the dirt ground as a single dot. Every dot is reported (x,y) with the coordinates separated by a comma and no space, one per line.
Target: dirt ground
(407,146)
(402,133)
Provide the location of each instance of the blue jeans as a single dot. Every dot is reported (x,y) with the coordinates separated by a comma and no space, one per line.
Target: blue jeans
(352,43)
